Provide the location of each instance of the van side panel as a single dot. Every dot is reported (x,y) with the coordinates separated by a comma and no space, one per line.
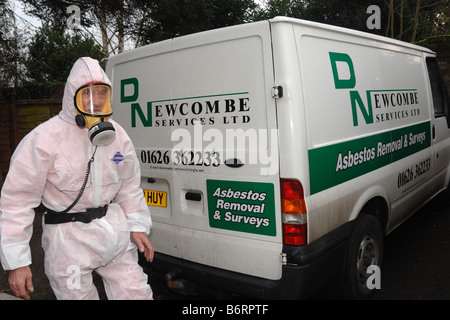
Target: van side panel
(368,120)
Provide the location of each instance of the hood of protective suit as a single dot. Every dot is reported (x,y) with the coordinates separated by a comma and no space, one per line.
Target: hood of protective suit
(84,70)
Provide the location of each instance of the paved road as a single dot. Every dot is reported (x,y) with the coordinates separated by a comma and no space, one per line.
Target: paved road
(417,255)
(416,260)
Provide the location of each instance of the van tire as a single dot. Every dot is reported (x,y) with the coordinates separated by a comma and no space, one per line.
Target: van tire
(365,249)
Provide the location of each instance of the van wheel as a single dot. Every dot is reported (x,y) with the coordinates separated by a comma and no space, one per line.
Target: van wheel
(365,249)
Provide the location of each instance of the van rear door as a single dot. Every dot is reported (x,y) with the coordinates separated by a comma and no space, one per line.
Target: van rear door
(200,112)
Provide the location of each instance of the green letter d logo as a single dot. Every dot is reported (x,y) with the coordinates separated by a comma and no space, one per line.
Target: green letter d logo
(135,93)
(338,82)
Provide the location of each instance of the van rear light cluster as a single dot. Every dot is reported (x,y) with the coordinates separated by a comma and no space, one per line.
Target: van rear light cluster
(293,209)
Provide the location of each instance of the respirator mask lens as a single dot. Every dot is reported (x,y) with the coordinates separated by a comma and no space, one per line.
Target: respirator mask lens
(94,99)
(93,104)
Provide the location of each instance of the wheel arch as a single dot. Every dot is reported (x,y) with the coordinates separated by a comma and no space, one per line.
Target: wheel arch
(378,208)
(374,202)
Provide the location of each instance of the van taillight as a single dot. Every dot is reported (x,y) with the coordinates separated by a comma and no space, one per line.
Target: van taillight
(293,210)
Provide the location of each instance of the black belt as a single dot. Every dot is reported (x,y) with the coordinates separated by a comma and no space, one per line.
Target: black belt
(52,217)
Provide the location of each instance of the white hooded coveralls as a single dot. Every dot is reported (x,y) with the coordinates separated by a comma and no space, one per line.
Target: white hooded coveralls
(49,166)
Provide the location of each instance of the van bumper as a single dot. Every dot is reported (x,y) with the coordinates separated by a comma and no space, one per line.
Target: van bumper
(309,269)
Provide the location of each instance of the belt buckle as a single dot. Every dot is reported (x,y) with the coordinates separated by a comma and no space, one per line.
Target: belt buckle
(87,216)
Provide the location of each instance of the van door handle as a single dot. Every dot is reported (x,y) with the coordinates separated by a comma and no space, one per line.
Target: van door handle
(193,196)
(433,132)
(234,163)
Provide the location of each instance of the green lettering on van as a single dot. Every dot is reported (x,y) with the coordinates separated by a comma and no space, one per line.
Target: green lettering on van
(334,164)
(127,95)
(128,82)
(338,82)
(350,83)
(242,206)
(355,99)
(136,108)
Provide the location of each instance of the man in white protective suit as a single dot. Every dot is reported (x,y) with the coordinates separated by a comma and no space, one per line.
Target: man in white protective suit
(83,167)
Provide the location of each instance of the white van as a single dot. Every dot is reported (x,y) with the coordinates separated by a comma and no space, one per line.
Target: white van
(276,155)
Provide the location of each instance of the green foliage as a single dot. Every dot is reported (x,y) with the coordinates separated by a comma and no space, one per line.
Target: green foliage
(173,18)
(51,55)
(11,51)
(432,15)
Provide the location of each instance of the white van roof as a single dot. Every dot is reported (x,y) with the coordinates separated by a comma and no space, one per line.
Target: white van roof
(163,46)
(357,33)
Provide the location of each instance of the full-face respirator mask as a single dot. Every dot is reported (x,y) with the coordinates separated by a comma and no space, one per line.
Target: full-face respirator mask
(93,105)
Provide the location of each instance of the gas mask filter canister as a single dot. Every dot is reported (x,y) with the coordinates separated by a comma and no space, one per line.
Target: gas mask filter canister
(93,105)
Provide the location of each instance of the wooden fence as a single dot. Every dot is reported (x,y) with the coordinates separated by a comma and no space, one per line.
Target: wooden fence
(17,118)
